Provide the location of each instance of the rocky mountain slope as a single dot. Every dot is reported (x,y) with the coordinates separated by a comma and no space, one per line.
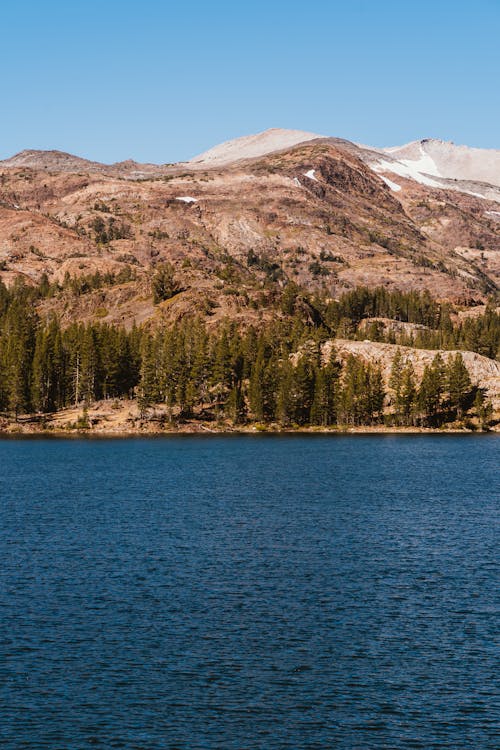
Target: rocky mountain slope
(242,220)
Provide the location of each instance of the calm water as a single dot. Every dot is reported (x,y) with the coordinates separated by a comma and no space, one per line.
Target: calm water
(250,592)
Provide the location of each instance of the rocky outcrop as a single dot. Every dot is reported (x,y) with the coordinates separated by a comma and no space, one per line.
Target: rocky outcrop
(484,372)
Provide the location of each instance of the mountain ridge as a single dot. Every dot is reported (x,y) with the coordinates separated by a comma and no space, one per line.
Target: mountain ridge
(428,161)
(324,213)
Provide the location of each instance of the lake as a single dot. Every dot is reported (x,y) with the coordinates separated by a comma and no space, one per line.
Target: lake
(235,592)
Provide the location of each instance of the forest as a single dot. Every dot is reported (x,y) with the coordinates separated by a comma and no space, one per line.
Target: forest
(276,374)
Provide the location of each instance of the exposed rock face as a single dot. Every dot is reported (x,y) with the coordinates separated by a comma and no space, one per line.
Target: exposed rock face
(483,372)
(314,212)
(388,326)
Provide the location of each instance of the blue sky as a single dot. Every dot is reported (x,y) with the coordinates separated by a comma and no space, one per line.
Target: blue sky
(162,81)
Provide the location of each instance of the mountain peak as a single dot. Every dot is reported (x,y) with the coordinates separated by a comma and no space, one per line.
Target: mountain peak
(252,146)
(447,160)
(51,159)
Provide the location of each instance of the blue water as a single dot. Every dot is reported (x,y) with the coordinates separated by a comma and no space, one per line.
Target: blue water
(250,592)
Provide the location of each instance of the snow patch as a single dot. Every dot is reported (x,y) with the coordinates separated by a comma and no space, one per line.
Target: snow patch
(186,199)
(405,170)
(447,160)
(310,174)
(394,186)
(296,182)
(424,164)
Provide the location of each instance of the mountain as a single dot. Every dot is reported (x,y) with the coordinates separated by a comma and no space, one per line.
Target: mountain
(442,159)
(251,146)
(439,164)
(429,162)
(56,161)
(251,257)
(249,216)
(60,161)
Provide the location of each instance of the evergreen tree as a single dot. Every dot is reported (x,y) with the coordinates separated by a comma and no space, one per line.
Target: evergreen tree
(323,406)
(89,364)
(396,379)
(164,283)
(256,387)
(376,393)
(147,392)
(459,384)
(483,408)
(48,371)
(19,339)
(302,390)
(431,391)
(353,397)
(408,394)
(285,411)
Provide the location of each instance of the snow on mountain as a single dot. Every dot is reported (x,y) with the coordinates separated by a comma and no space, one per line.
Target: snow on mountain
(252,146)
(393,185)
(415,158)
(445,159)
(441,164)
(433,163)
(406,168)
(430,162)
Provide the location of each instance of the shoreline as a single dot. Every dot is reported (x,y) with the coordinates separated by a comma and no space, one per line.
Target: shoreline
(121,419)
(25,431)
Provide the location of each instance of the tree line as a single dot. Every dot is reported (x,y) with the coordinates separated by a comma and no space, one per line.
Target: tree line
(480,333)
(280,373)
(44,367)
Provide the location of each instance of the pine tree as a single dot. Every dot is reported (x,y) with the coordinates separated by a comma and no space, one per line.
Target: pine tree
(396,380)
(353,397)
(164,283)
(483,409)
(235,407)
(376,393)
(19,332)
(256,386)
(222,362)
(459,384)
(89,364)
(407,394)
(302,390)
(46,373)
(147,392)
(285,412)
(431,390)
(326,387)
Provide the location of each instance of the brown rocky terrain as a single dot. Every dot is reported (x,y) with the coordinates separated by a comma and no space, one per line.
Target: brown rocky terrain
(315,213)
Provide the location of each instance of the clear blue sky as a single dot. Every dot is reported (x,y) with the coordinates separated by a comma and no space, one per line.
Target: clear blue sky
(161,81)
